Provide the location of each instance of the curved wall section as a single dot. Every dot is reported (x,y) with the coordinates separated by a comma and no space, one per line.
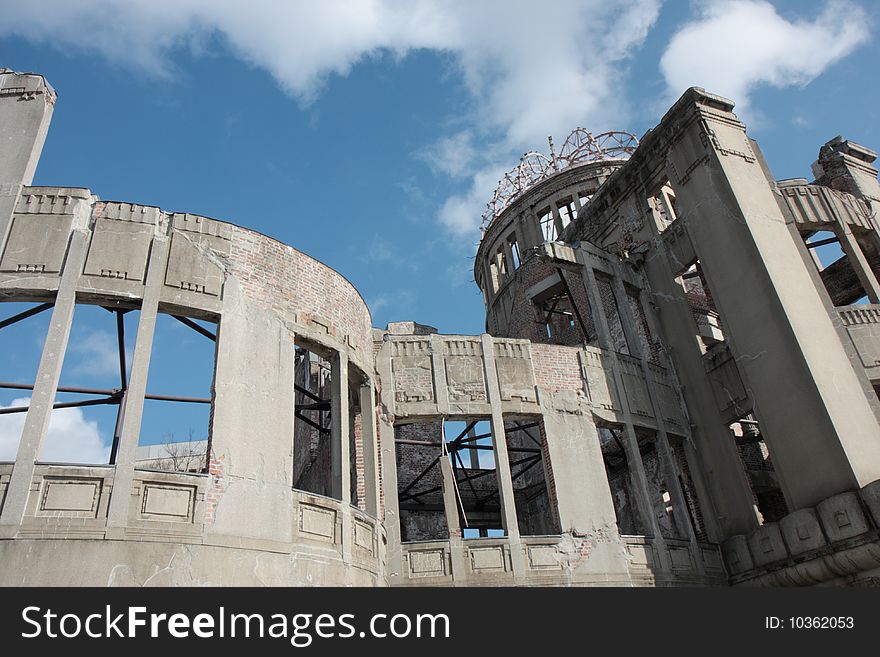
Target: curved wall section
(240,521)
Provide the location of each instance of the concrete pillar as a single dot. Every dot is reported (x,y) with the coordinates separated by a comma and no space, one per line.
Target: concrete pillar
(502,461)
(848,166)
(858,261)
(702,494)
(729,502)
(508,259)
(252,427)
(388,464)
(117,514)
(583,497)
(630,440)
(670,473)
(823,434)
(557,221)
(532,226)
(39,412)
(24,121)
(340,448)
(340,470)
(369,438)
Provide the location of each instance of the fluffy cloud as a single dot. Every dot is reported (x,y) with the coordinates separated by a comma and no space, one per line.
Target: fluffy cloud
(97,354)
(533,69)
(71,437)
(735,46)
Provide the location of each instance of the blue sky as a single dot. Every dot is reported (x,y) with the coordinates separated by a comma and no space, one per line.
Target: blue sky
(370,134)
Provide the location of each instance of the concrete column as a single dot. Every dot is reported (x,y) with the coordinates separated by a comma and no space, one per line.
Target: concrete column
(583,497)
(670,473)
(340,471)
(858,261)
(39,412)
(822,432)
(117,514)
(340,449)
(369,438)
(729,500)
(388,464)
(557,220)
(524,238)
(702,494)
(630,440)
(508,254)
(532,226)
(24,121)
(252,426)
(502,461)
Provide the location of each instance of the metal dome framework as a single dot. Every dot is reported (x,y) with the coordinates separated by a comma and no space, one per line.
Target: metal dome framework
(580,146)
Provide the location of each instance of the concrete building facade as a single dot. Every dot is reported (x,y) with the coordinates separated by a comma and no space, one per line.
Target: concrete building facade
(671,390)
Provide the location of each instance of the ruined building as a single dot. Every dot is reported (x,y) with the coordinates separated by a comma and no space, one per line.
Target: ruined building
(672,388)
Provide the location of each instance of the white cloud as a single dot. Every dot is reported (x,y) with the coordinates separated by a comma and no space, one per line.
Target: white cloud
(97,354)
(533,69)
(378,250)
(71,437)
(453,155)
(735,46)
(462,213)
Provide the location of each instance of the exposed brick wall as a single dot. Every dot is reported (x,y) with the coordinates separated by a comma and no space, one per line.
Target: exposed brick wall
(311,448)
(526,319)
(612,314)
(648,345)
(380,462)
(556,367)
(217,471)
(281,277)
(358,479)
(690,493)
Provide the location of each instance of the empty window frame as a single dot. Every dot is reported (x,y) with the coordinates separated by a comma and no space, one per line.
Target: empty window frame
(23,328)
(86,421)
(567,210)
(501,264)
(515,256)
(564,319)
(548,224)
(536,511)
(311,440)
(666,207)
(175,426)
(620,482)
(659,489)
(705,314)
(469,445)
(418,451)
(835,269)
(686,481)
(754,454)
